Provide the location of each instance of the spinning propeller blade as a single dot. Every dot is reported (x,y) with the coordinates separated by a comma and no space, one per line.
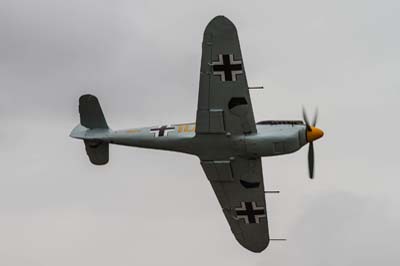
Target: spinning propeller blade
(311,160)
(305,118)
(312,134)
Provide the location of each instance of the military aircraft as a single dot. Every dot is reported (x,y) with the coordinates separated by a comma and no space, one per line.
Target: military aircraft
(225,136)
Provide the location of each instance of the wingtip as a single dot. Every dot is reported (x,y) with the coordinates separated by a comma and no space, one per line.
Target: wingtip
(254,246)
(221,18)
(220,22)
(87,97)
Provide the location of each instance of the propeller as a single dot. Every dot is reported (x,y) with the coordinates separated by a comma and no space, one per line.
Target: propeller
(313,133)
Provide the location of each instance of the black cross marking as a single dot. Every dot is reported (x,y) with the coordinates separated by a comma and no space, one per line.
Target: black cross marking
(250,212)
(161,131)
(227,67)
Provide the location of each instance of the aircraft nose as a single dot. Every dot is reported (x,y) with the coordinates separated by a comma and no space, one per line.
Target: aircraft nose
(314,134)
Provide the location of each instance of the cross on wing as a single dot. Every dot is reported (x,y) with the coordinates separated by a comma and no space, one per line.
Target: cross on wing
(227,67)
(250,213)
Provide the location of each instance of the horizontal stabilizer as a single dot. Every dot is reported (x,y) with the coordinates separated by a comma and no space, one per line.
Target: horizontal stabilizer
(81,132)
(97,151)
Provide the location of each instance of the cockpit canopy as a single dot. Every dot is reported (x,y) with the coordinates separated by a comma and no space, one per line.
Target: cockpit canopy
(280,122)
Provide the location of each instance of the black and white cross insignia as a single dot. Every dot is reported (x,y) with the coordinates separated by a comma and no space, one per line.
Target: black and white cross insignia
(250,212)
(161,131)
(227,67)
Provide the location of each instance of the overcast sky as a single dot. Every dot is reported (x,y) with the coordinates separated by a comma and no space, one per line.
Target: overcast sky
(142,59)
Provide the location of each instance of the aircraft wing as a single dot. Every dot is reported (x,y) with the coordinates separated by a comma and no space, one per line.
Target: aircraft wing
(224,102)
(239,187)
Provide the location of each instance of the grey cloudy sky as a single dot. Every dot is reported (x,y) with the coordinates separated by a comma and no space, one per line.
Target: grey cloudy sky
(142,59)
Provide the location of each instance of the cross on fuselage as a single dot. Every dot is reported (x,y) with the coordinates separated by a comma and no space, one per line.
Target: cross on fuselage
(250,212)
(160,132)
(228,67)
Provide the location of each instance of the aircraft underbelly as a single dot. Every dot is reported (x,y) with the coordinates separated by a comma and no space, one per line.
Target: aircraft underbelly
(218,147)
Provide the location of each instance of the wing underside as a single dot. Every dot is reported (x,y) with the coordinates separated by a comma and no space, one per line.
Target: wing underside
(224,102)
(239,187)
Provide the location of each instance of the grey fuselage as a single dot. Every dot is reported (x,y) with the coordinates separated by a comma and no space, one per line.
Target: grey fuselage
(273,138)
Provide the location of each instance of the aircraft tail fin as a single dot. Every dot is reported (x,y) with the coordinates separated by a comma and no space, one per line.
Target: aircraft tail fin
(93,130)
(90,111)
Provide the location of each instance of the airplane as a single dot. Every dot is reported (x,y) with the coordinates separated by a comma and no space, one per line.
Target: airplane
(225,136)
